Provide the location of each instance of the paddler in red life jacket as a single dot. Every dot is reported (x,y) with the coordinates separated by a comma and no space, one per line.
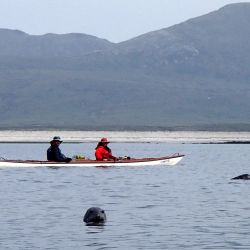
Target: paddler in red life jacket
(103,152)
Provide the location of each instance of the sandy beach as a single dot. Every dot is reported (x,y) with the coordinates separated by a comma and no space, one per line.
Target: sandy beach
(9,136)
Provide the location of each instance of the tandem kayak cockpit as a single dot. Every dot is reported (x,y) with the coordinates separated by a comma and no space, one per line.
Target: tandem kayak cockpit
(166,160)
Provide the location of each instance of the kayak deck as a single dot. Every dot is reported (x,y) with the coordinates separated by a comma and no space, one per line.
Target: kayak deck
(167,160)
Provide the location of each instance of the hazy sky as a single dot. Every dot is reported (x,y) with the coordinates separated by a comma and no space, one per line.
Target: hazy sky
(115,20)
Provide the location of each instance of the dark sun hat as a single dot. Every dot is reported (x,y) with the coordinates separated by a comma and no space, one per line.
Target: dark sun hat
(57,138)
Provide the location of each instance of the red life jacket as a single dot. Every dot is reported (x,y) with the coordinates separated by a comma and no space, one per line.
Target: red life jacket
(101,153)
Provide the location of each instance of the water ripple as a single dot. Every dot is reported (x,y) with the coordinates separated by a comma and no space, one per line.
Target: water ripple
(192,206)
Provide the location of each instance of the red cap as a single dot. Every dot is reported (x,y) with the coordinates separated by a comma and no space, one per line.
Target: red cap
(104,140)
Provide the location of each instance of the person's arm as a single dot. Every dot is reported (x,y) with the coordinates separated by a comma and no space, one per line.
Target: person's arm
(60,156)
(109,155)
(112,157)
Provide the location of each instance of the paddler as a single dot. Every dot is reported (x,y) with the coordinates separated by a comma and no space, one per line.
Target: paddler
(54,152)
(103,152)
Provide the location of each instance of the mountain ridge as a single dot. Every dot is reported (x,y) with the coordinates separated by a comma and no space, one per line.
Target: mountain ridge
(193,75)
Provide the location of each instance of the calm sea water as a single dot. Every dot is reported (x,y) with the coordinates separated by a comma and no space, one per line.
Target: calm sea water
(193,205)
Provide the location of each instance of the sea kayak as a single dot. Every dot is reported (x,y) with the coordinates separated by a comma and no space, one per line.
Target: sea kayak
(166,160)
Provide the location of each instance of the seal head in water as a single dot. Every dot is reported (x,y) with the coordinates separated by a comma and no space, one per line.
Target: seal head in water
(95,216)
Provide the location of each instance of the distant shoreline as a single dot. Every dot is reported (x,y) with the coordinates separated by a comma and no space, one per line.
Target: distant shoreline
(73,136)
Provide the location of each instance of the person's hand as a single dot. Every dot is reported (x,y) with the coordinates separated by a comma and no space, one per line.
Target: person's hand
(68,160)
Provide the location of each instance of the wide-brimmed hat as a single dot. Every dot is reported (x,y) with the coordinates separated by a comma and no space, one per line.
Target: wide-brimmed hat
(57,138)
(104,140)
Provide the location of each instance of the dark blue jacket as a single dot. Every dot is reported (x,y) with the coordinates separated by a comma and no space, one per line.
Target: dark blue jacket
(54,154)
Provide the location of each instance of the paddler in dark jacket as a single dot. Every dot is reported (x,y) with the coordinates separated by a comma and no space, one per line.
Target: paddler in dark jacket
(54,152)
(103,152)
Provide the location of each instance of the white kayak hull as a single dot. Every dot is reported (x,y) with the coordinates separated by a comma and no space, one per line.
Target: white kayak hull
(167,160)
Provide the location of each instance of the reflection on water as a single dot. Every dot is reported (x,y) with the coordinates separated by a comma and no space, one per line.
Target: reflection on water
(91,229)
(194,205)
